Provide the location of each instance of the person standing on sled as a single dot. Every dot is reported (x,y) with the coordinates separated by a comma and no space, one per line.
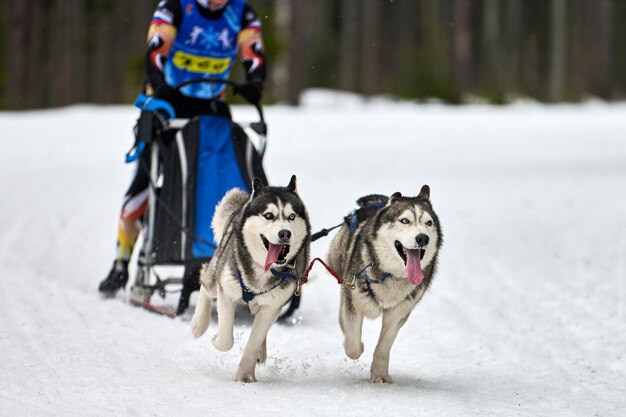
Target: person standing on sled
(188,39)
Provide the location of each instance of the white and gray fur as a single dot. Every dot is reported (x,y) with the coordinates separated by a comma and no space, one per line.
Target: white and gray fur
(240,220)
(374,241)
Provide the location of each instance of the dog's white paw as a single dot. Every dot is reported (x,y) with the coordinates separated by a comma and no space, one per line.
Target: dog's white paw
(376,378)
(353,352)
(245,377)
(222,345)
(199,326)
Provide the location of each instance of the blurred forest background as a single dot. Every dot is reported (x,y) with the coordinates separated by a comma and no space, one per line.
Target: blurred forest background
(60,52)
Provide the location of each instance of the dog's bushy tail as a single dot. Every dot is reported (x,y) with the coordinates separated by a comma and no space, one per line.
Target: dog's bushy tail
(232,202)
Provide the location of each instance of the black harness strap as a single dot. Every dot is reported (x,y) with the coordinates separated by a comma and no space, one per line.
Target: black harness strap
(324,232)
(248,295)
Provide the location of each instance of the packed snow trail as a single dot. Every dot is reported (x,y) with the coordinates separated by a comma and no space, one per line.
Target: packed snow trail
(526,315)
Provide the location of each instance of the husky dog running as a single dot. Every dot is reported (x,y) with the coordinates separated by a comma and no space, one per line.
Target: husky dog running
(263,245)
(387,250)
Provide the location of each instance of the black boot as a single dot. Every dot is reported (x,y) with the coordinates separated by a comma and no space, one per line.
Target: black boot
(191,283)
(117,278)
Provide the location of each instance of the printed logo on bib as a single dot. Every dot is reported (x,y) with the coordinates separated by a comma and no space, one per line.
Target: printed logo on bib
(200,64)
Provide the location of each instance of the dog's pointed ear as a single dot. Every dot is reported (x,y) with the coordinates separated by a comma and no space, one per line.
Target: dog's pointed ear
(425,193)
(257,185)
(394,196)
(292,184)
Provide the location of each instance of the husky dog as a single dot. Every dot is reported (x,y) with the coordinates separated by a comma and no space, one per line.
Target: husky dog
(263,244)
(387,251)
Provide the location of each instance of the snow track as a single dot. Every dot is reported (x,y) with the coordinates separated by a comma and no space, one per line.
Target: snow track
(526,316)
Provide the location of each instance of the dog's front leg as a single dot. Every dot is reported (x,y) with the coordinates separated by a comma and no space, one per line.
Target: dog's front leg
(263,320)
(224,340)
(351,323)
(262,352)
(393,320)
(202,315)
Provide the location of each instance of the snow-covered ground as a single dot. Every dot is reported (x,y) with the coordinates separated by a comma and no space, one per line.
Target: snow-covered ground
(526,316)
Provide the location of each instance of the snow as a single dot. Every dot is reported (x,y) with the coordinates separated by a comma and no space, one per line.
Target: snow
(526,315)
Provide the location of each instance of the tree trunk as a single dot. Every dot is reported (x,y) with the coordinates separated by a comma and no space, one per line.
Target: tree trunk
(461,13)
(491,71)
(404,66)
(279,66)
(370,47)
(118,51)
(597,50)
(348,45)
(558,51)
(101,43)
(298,52)
(513,43)
(14,59)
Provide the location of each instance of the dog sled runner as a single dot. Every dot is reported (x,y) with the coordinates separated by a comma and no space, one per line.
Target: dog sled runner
(192,163)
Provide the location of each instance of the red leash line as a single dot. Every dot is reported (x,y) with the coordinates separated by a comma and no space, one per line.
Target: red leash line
(305,277)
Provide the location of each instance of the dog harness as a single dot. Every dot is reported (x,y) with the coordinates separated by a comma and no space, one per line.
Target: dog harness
(354,218)
(368,282)
(248,295)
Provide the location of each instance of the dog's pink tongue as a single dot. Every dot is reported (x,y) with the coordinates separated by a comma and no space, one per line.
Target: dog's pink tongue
(413,269)
(273,251)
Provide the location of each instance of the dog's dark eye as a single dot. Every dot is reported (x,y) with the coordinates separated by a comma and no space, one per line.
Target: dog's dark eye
(429,223)
(404,220)
(292,216)
(268,216)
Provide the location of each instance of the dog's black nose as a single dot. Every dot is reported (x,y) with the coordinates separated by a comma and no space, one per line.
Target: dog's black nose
(284,235)
(422,240)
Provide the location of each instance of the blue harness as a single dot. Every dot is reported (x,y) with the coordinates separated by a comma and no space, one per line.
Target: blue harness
(354,219)
(368,282)
(248,295)
(204,48)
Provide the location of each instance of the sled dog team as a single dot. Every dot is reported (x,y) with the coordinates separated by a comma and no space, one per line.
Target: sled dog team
(386,251)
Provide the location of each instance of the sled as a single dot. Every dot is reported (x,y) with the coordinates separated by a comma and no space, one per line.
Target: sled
(184,190)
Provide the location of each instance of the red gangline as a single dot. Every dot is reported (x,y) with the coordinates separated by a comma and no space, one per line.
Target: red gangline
(305,277)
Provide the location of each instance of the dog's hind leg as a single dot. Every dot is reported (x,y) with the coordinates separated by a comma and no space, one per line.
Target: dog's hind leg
(202,315)
(262,323)
(393,320)
(351,323)
(223,340)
